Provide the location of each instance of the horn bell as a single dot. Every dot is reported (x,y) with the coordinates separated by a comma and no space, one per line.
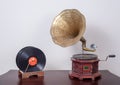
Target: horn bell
(68,27)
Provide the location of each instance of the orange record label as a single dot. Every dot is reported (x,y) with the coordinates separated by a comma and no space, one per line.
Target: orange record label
(32,61)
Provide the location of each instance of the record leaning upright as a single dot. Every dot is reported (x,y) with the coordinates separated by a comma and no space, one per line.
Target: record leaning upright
(30,59)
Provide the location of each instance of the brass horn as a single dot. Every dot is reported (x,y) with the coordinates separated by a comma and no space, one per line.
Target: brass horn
(68,28)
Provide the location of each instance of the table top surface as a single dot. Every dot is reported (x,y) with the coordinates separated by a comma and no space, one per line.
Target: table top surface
(58,77)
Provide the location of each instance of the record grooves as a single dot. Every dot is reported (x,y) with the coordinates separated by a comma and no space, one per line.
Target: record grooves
(30,59)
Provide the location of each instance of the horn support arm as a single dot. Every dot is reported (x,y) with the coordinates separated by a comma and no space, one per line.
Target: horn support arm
(84,45)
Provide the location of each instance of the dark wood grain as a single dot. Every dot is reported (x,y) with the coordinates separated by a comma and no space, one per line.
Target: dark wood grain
(57,77)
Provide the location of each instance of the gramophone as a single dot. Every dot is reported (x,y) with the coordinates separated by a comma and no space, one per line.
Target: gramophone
(67,29)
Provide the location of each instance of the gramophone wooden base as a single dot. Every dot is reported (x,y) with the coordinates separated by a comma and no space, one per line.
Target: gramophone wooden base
(26,75)
(82,76)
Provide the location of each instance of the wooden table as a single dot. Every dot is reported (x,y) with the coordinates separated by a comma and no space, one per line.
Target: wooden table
(57,77)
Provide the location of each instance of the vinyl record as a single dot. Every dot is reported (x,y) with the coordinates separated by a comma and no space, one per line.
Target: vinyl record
(30,59)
